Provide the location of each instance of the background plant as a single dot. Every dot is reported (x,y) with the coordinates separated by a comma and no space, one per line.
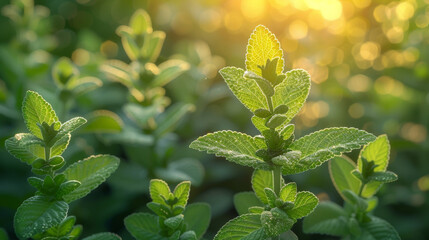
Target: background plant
(274,98)
(174,219)
(357,185)
(45,214)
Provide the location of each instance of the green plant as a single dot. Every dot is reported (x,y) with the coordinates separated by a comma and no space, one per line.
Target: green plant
(150,132)
(274,98)
(44,216)
(357,185)
(174,219)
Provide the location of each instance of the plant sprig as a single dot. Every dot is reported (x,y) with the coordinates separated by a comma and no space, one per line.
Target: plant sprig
(274,98)
(45,214)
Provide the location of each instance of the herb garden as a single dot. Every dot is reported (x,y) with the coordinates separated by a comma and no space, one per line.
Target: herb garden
(130,120)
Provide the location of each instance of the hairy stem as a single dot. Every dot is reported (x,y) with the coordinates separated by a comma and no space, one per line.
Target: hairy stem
(270,104)
(277,179)
(47,153)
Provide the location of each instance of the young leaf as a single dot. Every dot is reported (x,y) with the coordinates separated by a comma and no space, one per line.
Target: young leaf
(378,229)
(384,177)
(305,203)
(276,221)
(143,226)
(36,110)
(292,92)
(159,191)
(37,214)
(67,128)
(25,147)
(170,118)
(103,236)
(174,222)
(118,71)
(262,179)
(140,22)
(327,218)
(234,146)
(169,70)
(271,196)
(288,192)
(90,172)
(377,151)
(181,192)
(244,200)
(247,226)
(263,45)
(60,146)
(318,147)
(246,90)
(153,45)
(197,218)
(139,114)
(340,169)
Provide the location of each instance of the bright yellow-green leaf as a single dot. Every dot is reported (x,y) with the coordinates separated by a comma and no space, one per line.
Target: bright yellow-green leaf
(377,151)
(263,45)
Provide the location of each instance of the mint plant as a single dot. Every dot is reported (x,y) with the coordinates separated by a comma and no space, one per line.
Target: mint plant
(149,133)
(274,98)
(44,216)
(174,219)
(357,185)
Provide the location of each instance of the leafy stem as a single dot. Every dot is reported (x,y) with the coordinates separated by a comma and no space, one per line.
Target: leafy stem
(277,179)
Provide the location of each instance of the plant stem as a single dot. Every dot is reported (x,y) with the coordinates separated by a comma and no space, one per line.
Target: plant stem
(277,179)
(270,104)
(47,153)
(361,189)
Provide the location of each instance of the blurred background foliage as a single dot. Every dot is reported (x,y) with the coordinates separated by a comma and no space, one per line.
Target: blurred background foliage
(369,62)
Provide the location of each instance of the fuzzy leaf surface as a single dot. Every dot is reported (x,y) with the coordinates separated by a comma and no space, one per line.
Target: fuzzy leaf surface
(37,214)
(320,146)
(197,218)
(90,172)
(305,203)
(143,226)
(36,110)
(378,228)
(247,226)
(246,90)
(25,147)
(263,45)
(234,146)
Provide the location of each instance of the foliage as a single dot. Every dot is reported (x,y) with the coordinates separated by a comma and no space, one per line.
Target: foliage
(174,219)
(274,98)
(45,214)
(357,186)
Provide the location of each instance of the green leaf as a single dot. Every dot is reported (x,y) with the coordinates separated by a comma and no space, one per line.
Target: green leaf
(354,199)
(63,71)
(305,203)
(327,218)
(66,226)
(234,146)
(37,214)
(140,22)
(67,128)
(244,200)
(384,177)
(174,222)
(292,92)
(378,229)
(118,71)
(128,43)
(320,146)
(287,131)
(289,235)
(90,172)
(262,179)
(262,113)
(143,226)
(3,234)
(197,218)
(246,90)
(169,70)
(159,191)
(288,192)
(26,147)
(103,121)
(103,236)
(247,226)
(377,151)
(36,110)
(275,121)
(60,146)
(262,46)
(83,85)
(181,170)
(170,118)
(271,197)
(181,192)
(340,169)
(276,222)
(153,45)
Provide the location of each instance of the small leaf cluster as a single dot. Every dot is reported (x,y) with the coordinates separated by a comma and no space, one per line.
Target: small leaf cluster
(173,219)
(274,98)
(357,185)
(150,135)
(44,216)
(70,82)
